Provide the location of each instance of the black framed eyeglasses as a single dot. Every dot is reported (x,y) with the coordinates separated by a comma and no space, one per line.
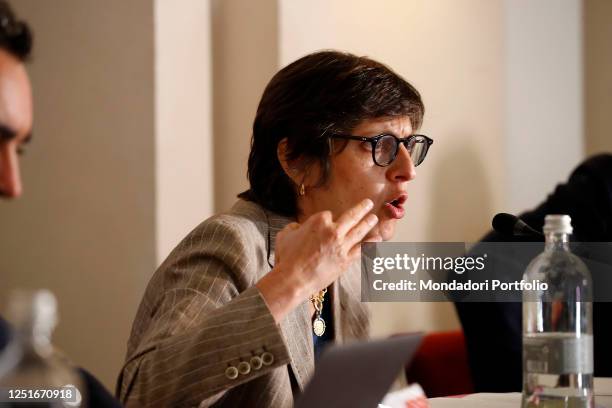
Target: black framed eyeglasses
(385,147)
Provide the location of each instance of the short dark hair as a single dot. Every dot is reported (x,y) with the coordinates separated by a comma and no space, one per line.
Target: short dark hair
(321,94)
(15,35)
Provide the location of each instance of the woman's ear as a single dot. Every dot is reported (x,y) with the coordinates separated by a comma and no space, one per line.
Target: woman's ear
(292,169)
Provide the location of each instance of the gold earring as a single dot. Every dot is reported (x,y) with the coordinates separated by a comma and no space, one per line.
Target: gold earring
(302,189)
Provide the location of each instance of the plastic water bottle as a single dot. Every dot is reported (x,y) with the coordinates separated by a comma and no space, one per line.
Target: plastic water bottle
(557,325)
(31,373)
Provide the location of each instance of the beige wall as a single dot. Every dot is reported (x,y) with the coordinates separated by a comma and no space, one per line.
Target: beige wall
(183,120)
(598,75)
(245,56)
(543,95)
(86,226)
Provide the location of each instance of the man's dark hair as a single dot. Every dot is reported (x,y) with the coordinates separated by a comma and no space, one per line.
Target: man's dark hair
(15,35)
(319,95)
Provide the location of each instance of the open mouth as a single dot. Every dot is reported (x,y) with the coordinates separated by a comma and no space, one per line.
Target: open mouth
(399,201)
(395,207)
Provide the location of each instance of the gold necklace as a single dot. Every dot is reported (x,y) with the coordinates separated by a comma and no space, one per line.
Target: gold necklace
(318,324)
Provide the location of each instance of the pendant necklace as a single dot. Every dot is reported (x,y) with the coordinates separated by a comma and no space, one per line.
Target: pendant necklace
(318,324)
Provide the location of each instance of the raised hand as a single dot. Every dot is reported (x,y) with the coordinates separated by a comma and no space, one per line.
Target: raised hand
(310,256)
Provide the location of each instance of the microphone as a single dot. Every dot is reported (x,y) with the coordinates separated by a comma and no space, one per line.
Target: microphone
(509,224)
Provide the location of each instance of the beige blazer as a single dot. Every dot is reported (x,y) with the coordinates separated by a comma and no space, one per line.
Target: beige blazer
(203,335)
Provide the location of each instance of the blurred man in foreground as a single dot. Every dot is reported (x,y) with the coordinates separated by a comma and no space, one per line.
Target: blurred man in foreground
(15,99)
(15,133)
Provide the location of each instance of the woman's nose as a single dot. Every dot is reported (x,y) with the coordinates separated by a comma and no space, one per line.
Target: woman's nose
(10,179)
(402,168)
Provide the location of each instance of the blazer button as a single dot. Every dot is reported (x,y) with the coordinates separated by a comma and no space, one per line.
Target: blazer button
(256,362)
(244,368)
(231,372)
(267,358)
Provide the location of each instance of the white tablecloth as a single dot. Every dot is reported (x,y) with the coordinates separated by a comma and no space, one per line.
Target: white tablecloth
(603,398)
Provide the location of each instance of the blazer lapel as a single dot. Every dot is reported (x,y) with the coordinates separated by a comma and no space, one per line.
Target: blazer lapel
(298,333)
(296,327)
(351,316)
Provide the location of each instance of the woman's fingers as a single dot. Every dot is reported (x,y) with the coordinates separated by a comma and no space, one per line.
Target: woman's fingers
(359,231)
(352,216)
(355,251)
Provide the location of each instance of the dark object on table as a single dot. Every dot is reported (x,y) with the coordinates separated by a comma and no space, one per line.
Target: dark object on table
(358,375)
(493,331)
(97,395)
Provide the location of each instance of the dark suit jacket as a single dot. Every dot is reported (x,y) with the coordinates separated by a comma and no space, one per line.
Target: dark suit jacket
(4,333)
(494,330)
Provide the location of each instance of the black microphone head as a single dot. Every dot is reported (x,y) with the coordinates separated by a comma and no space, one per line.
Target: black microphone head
(511,225)
(505,223)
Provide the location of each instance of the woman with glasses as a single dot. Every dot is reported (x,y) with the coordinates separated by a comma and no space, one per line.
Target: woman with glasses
(240,309)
